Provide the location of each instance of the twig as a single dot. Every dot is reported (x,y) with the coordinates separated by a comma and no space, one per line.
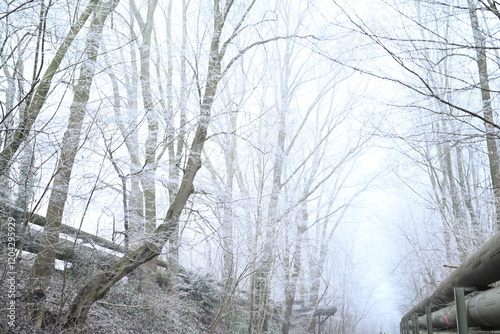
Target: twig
(123,305)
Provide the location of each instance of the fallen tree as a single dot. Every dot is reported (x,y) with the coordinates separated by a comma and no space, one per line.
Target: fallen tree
(85,248)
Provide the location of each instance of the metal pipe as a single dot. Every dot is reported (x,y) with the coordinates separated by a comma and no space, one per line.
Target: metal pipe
(482,310)
(481,269)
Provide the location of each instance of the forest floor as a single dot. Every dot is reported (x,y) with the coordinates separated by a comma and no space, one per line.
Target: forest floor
(122,311)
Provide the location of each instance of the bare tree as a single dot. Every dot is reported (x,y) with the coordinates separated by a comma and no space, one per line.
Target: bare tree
(99,284)
(41,90)
(44,265)
(452,134)
(486,98)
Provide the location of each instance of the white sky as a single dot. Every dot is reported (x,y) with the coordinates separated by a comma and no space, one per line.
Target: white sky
(380,211)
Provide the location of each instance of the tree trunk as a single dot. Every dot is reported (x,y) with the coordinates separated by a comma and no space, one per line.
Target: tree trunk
(175,151)
(479,41)
(148,271)
(27,170)
(42,91)
(291,283)
(100,284)
(262,276)
(259,303)
(465,186)
(134,208)
(439,188)
(44,264)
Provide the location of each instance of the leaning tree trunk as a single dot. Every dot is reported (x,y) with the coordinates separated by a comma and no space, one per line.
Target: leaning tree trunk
(42,91)
(43,267)
(100,284)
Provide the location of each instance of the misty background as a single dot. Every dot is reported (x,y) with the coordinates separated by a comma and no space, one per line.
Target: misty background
(261,159)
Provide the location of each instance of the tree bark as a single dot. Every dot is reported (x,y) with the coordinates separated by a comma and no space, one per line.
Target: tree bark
(100,284)
(42,91)
(43,267)
(148,271)
(175,151)
(291,282)
(484,83)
